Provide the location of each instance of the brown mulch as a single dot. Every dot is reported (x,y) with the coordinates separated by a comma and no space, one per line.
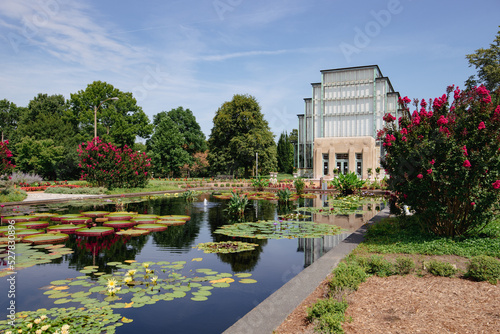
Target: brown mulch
(411,304)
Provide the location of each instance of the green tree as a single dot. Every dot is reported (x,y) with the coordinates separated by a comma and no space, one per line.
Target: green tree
(285,154)
(49,117)
(39,156)
(9,117)
(190,129)
(166,147)
(118,121)
(240,131)
(487,63)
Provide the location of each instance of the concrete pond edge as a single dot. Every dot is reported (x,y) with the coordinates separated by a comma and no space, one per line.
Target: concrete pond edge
(271,312)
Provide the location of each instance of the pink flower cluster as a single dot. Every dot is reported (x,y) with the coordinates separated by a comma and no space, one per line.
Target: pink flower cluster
(104,164)
(5,155)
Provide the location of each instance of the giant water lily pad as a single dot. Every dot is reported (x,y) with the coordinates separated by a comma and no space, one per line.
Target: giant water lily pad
(33,224)
(278,230)
(144,220)
(119,224)
(66,216)
(226,247)
(94,214)
(175,217)
(132,232)
(66,228)
(111,217)
(28,232)
(171,222)
(19,219)
(77,220)
(95,231)
(48,238)
(152,227)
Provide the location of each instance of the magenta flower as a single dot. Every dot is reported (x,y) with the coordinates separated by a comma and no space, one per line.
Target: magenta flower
(496,184)
(481,126)
(472,203)
(432,162)
(404,131)
(429,171)
(467,164)
(465,150)
(442,120)
(420,176)
(403,139)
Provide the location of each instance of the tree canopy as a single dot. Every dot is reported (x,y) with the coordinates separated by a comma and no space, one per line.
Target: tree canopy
(177,141)
(239,132)
(9,117)
(118,121)
(166,147)
(487,63)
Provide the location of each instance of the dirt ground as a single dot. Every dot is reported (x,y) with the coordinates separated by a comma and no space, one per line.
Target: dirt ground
(411,304)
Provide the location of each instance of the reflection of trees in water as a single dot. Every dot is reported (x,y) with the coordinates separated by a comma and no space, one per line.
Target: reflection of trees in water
(181,236)
(257,210)
(97,251)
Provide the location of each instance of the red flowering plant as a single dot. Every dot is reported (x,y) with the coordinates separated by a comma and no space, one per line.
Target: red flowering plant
(105,165)
(6,166)
(443,160)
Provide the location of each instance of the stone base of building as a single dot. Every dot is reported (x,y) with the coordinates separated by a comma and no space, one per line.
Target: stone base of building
(347,154)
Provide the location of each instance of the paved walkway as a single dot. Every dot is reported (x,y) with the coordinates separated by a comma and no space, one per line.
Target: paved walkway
(42,196)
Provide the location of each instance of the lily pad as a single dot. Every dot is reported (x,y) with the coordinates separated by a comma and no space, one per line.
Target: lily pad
(95,231)
(152,227)
(49,238)
(33,224)
(94,214)
(67,228)
(175,217)
(132,232)
(78,220)
(119,224)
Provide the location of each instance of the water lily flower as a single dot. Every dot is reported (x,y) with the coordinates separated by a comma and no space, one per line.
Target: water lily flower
(37,321)
(131,272)
(154,279)
(111,283)
(44,328)
(128,279)
(145,265)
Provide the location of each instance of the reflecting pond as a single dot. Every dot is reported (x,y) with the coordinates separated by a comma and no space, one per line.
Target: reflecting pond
(196,292)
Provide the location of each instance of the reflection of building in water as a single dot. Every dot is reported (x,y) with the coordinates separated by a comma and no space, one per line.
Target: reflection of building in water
(314,248)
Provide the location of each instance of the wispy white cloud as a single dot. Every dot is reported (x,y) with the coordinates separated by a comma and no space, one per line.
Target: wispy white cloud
(68,31)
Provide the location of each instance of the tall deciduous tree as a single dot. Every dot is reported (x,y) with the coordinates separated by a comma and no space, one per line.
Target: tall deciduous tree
(166,147)
(285,154)
(49,117)
(39,156)
(240,131)
(190,129)
(487,63)
(188,136)
(118,121)
(9,117)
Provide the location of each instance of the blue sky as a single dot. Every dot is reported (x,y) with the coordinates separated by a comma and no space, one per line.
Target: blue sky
(198,54)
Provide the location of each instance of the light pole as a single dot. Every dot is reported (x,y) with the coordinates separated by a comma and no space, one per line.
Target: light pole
(95,117)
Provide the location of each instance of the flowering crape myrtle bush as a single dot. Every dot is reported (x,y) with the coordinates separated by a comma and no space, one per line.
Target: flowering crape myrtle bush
(6,165)
(105,165)
(444,159)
